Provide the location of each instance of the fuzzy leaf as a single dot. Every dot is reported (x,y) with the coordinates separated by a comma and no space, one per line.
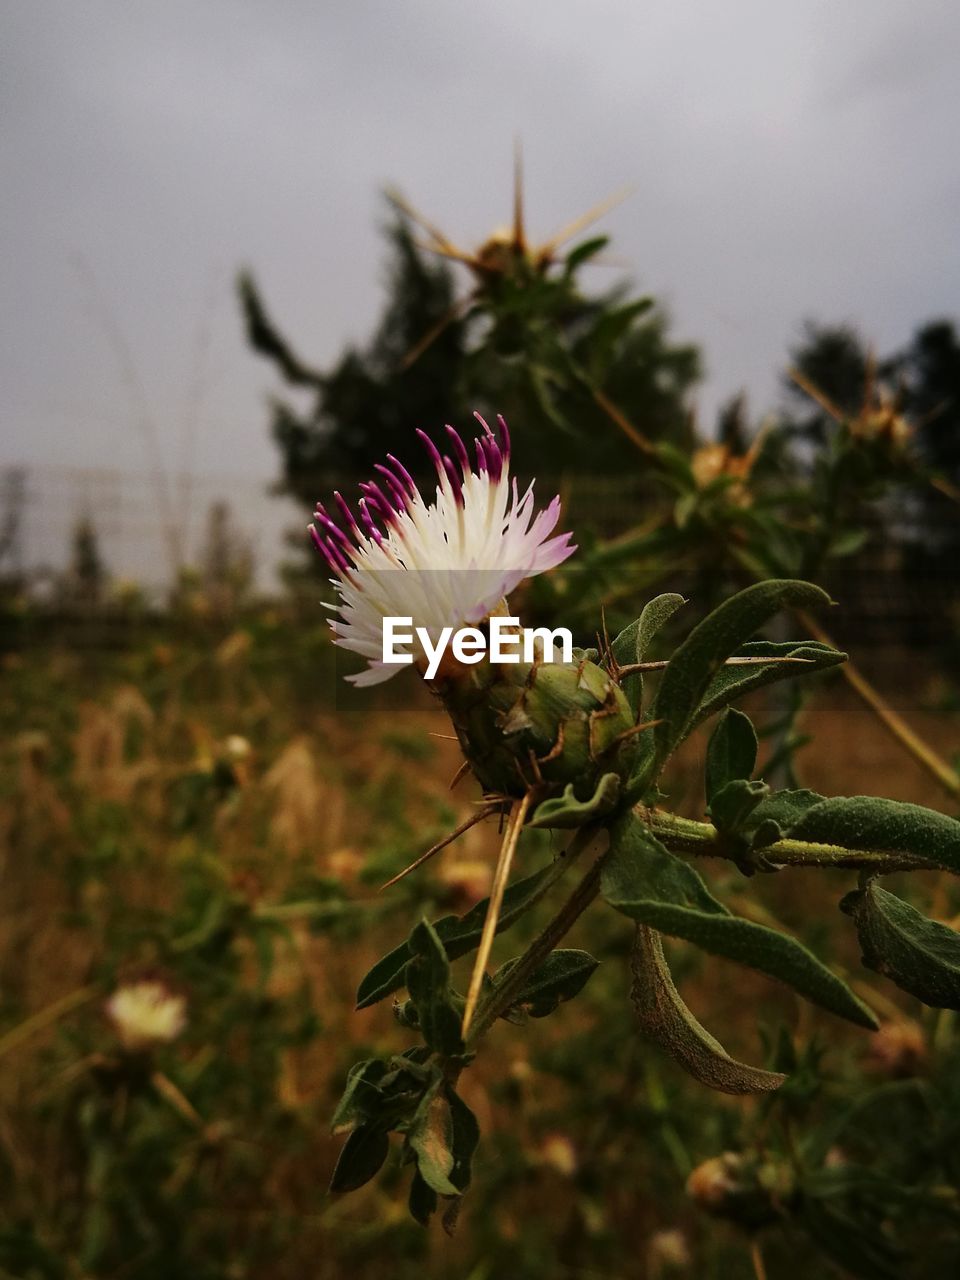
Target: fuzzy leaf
(667,1021)
(430,1137)
(427,978)
(920,955)
(889,826)
(361,1158)
(785,808)
(731,683)
(633,642)
(733,806)
(443,1137)
(459,935)
(731,751)
(563,812)
(562,975)
(644,881)
(697,661)
(423,1200)
(586,249)
(465,1135)
(361,1095)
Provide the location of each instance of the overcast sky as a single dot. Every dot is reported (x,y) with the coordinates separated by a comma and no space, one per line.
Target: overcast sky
(789,159)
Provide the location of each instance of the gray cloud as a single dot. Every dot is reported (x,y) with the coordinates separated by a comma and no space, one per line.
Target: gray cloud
(788,160)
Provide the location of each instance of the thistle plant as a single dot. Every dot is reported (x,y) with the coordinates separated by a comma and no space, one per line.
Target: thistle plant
(584,747)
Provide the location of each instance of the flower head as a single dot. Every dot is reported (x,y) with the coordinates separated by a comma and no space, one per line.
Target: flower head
(146,1013)
(447,561)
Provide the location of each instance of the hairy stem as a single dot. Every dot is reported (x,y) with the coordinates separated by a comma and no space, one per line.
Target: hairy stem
(680,835)
(506,994)
(684,835)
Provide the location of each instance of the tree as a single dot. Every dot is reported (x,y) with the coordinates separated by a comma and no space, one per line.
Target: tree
(833,360)
(929,371)
(563,367)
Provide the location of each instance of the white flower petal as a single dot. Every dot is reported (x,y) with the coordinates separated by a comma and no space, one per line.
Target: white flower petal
(445,563)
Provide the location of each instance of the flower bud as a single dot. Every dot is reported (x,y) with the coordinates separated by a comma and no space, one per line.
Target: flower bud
(550,722)
(741,1188)
(898,1050)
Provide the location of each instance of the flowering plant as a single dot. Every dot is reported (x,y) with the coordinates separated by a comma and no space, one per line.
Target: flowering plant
(580,747)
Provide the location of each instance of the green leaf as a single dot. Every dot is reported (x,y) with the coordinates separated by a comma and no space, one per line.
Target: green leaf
(430,1137)
(423,1200)
(580,253)
(667,1021)
(633,642)
(731,683)
(443,1136)
(562,975)
(731,751)
(921,956)
(599,347)
(644,881)
(362,1156)
(887,826)
(567,811)
(459,936)
(847,543)
(465,1137)
(785,808)
(427,978)
(361,1095)
(732,807)
(702,654)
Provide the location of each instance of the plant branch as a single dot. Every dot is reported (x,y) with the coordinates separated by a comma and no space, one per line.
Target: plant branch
(684,835)
(921,751)
(500,1000)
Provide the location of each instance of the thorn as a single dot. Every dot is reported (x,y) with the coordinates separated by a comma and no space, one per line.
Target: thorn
(635,729)
(519,237)
(814,392)
(442,844)
(578,224)
(460,774)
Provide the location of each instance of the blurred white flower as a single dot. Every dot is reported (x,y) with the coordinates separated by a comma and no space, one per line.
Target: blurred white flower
(449,562)
(237,747)
(146,1013)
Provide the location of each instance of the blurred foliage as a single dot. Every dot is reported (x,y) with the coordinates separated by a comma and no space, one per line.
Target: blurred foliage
(210,811)
(525,341)
(207,805)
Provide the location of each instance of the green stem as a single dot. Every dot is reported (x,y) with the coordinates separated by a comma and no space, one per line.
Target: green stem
(684,835)
(681,835)
(505,995)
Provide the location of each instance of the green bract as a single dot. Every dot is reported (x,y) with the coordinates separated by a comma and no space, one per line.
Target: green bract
(555,723)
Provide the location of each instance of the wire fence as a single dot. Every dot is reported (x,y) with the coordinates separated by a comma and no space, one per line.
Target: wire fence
(139,532)
(128,534)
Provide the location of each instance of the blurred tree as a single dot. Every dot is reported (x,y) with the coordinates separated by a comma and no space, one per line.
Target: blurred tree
(833,359)
(227,563)
(929,372)
(369,401)
(565,369)
(13,503)
(86,576)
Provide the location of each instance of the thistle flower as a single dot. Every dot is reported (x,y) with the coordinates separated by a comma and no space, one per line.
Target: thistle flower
(447,561)
(145,1014)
